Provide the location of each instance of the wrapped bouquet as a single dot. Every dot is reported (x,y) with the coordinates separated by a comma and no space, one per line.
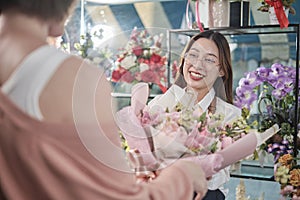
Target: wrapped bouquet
(173,127)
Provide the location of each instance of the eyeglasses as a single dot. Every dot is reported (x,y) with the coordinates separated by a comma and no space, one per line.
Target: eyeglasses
(207,60)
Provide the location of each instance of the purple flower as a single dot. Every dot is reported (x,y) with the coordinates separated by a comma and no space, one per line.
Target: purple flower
(263,73)
(278,93)
(278,80)
(285,142)
(251,81)
(245,97)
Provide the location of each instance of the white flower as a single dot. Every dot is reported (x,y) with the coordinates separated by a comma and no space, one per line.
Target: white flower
(143,67)
(145,52)
(128,61)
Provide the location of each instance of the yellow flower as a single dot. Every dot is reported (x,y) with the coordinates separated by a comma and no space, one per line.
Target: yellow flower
(295,177)
(282,175)
(286,160)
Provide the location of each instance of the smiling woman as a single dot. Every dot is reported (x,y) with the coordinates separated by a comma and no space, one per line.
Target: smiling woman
(205,70)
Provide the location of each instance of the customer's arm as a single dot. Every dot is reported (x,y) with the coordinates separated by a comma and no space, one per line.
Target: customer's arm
(85,161)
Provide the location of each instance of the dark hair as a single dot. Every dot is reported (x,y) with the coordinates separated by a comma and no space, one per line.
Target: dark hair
(44,9)
(223,87)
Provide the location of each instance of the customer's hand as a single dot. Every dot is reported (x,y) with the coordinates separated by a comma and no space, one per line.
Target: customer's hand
(142,172)
(198,197)
(199,177)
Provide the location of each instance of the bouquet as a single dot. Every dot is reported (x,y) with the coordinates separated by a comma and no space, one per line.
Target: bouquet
(181,130)
(141,61)
(276,103)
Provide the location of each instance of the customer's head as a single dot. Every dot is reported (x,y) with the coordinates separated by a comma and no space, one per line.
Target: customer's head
(206,63)
(52,11)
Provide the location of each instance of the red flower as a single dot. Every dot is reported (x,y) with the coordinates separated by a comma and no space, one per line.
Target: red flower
(155,58)
(138,51)
(174,69)
(127,77)
(116,75)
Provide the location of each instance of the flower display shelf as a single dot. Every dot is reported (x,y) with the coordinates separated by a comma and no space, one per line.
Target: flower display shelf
(249,169)
(251,48)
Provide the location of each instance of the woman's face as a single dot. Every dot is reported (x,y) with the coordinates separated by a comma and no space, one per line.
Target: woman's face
(201,66)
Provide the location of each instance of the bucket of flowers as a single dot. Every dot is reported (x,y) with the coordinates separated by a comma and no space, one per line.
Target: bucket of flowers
(278,11)
(141,60)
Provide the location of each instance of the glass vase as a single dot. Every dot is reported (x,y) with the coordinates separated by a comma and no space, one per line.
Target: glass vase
(218,13)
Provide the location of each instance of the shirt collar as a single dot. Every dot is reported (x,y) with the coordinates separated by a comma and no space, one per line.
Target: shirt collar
(206,101)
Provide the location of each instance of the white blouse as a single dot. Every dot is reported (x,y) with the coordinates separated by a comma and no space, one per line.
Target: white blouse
(230,113)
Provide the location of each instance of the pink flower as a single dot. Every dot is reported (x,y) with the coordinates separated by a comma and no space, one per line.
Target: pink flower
(152,119)
(205,132)
(143,60)
(149,76)
(127,77)
(138,50)
(196,140)
(174,69)
(170,127)
(146,119)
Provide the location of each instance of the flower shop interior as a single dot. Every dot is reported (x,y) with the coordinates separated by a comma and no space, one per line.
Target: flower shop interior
(102,32)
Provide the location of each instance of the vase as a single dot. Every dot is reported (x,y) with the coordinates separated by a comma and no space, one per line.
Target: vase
(273,17)
(218,13)
(239,13)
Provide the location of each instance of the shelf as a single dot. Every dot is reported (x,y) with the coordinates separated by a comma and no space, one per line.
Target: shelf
(252,169)
(263,29)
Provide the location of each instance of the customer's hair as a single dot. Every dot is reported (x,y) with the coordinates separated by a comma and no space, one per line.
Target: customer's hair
(223,87)
(43,9)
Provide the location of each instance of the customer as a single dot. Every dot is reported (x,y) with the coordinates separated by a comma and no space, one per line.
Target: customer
(206,70)
(69,147)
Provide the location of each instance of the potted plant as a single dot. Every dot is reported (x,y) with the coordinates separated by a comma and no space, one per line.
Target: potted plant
(276,102)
